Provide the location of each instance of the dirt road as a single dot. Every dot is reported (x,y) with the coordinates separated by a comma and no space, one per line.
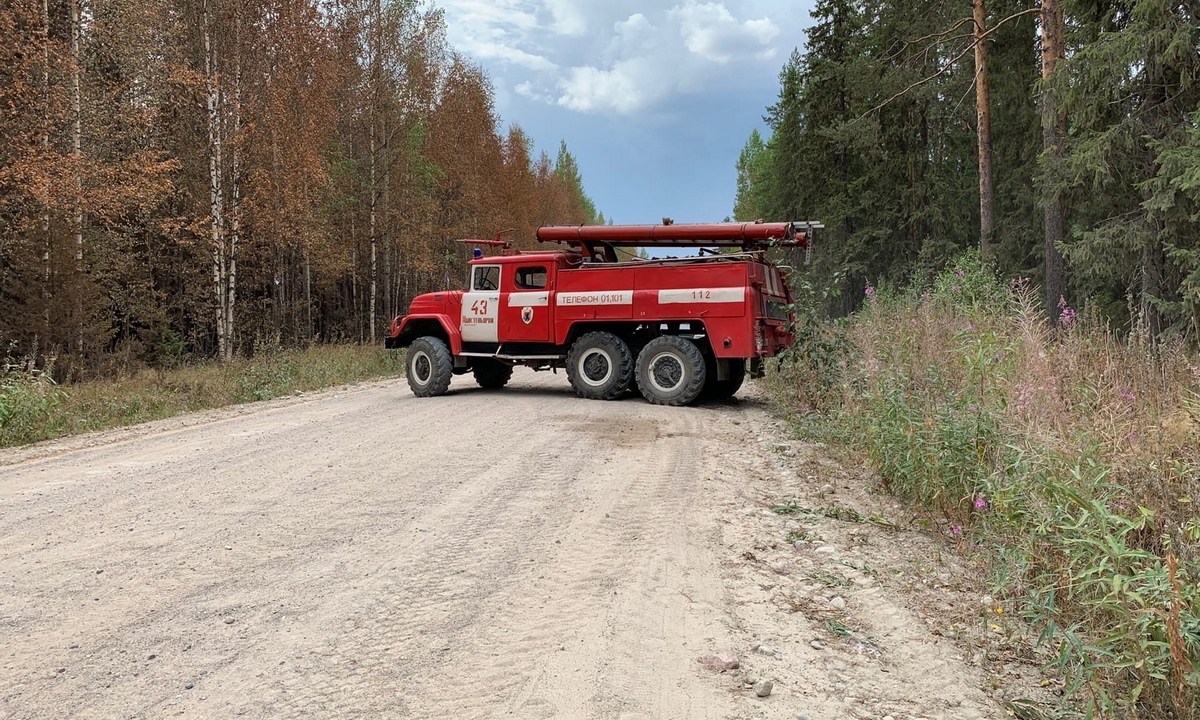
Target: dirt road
(365,554)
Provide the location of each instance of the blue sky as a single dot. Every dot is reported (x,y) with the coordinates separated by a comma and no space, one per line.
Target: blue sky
(655,99)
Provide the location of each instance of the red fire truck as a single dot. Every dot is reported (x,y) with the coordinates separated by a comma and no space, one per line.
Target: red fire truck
(678,328)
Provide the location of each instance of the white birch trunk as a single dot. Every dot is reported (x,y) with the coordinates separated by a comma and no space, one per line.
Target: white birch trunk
(374,236)
(235,216)
(216,195)
(385,213)
(354,285)
(308,296)
(374,119)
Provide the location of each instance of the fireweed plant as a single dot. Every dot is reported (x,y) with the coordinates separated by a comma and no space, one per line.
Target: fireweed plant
(1065,460)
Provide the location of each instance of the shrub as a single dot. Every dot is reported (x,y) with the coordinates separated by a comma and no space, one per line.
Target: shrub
(28,398)
(32,408)
(1070,454)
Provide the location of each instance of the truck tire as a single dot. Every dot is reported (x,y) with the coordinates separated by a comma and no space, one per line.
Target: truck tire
(670,371)
(491,374)
(718,390)
(429,367)
(600,366)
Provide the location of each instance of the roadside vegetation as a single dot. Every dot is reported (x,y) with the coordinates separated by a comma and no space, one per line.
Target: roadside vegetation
(1063,459)
(33,407)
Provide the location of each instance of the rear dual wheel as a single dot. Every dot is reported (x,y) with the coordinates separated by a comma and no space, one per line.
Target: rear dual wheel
(491,374)
(718,390)
(671,371)
(600,366)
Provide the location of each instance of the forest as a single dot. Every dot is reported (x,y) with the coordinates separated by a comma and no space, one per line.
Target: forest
(1061,139)
(191,179)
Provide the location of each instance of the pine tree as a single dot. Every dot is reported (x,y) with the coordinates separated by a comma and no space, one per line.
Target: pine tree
(567,169)
(753,180)
(1130,91)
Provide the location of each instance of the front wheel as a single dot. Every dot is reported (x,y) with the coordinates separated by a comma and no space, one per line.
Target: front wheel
(670,371)
(429,366)
(600,366)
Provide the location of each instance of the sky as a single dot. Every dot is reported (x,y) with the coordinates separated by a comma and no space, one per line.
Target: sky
(655,99)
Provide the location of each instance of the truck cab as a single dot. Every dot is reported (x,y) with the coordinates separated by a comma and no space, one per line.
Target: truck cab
(676,329)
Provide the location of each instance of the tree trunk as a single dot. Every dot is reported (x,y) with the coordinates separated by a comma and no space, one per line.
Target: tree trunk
(1053,126)
(215,191)
(235,211)
(384,217)
(987,212)
(1152,269)
(46,130)
(374,120)
(354,287)
(77,157)
(308,298)
(285,306)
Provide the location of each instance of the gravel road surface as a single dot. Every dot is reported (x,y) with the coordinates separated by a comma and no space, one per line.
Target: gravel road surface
(362,553)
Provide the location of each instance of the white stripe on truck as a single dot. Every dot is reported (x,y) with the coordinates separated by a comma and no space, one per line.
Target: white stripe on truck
(702,295)
(528,299)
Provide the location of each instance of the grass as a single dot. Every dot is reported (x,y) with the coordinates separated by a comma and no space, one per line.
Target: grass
(33,408)
(1063,461)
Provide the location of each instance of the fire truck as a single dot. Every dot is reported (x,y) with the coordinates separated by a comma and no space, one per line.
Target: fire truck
(677,329)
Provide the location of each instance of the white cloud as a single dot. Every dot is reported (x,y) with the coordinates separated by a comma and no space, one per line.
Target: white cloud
(568,18)
(619,57)
(711,31)
(514,55)
(528,90)
(491,13)
(621,89)
(631,37)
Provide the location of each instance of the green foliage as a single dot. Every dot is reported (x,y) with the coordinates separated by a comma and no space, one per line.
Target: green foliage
(32,408)
(970,285)
(567,168)
(817,361)
(1130,91)
(1044,455)
(28,399)
(873,133)
(753,180)
(886,177)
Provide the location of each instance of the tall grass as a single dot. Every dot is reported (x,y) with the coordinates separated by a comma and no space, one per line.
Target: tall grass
(1067,456)
(33,408)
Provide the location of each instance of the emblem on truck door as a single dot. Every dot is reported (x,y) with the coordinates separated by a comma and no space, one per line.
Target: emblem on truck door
(526,315)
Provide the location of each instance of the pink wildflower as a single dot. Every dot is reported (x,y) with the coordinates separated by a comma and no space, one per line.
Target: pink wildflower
(956,530)
(980,503)
(1067,314)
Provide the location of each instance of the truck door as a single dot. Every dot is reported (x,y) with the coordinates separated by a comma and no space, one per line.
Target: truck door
(525,310)
(481,306)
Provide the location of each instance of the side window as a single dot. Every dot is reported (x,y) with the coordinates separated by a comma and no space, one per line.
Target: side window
(486,278)
(531,278)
